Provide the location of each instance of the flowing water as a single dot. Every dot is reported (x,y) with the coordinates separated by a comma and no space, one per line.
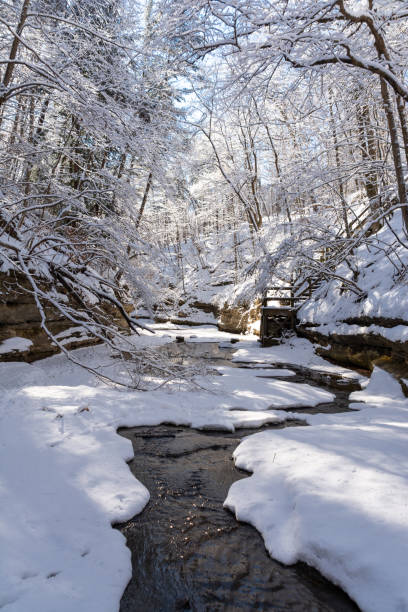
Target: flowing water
(188,552)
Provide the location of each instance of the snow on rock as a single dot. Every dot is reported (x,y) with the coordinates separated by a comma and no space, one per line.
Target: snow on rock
(398,333)
(15,344)
(203,333)
(335,494)
(296,351)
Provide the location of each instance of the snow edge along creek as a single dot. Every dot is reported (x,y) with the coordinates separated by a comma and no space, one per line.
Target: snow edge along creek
(64,479)
(335,495)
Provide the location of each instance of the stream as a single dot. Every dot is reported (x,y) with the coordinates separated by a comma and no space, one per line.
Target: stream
(188,552)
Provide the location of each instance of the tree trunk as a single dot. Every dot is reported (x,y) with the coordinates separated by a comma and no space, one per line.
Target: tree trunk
(368,152)
(8,75)
(403,122)
(396,154)
(144,200)
(341,188)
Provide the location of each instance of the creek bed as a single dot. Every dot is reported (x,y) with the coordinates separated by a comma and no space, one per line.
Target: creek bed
(188,552)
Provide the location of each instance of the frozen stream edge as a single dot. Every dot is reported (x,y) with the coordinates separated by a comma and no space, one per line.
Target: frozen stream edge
(187,552)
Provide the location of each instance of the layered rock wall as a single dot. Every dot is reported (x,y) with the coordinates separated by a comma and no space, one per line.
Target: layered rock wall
(21,319)
(364,346)
(239,319)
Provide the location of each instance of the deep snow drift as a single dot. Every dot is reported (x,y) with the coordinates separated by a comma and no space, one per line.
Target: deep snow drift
(64,479)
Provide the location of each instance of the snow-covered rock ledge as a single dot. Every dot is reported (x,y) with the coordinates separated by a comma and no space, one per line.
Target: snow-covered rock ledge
(361,345)
(22,337)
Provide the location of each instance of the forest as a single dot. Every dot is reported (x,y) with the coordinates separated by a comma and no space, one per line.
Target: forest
(168,169)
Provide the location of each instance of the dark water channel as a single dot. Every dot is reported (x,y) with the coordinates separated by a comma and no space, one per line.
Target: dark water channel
(188,553)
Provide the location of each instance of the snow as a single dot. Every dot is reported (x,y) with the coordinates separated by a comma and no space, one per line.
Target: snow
(265,370)
(383,285)
(296,351)
(398,333)
(205,333)
(208,280)
(64,478)
(73,334)
(260,393)
(15,344)
(335,494)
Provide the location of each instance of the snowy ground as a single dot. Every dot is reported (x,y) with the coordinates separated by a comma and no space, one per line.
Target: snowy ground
(379,270)
(336,494)
(341,483)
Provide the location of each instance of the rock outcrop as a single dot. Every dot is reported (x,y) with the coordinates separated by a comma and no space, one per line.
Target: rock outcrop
(238,319)
(363,348)
(21,319)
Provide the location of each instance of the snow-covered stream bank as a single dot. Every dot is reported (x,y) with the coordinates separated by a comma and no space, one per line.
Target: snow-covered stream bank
(336,494)
(333,494)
